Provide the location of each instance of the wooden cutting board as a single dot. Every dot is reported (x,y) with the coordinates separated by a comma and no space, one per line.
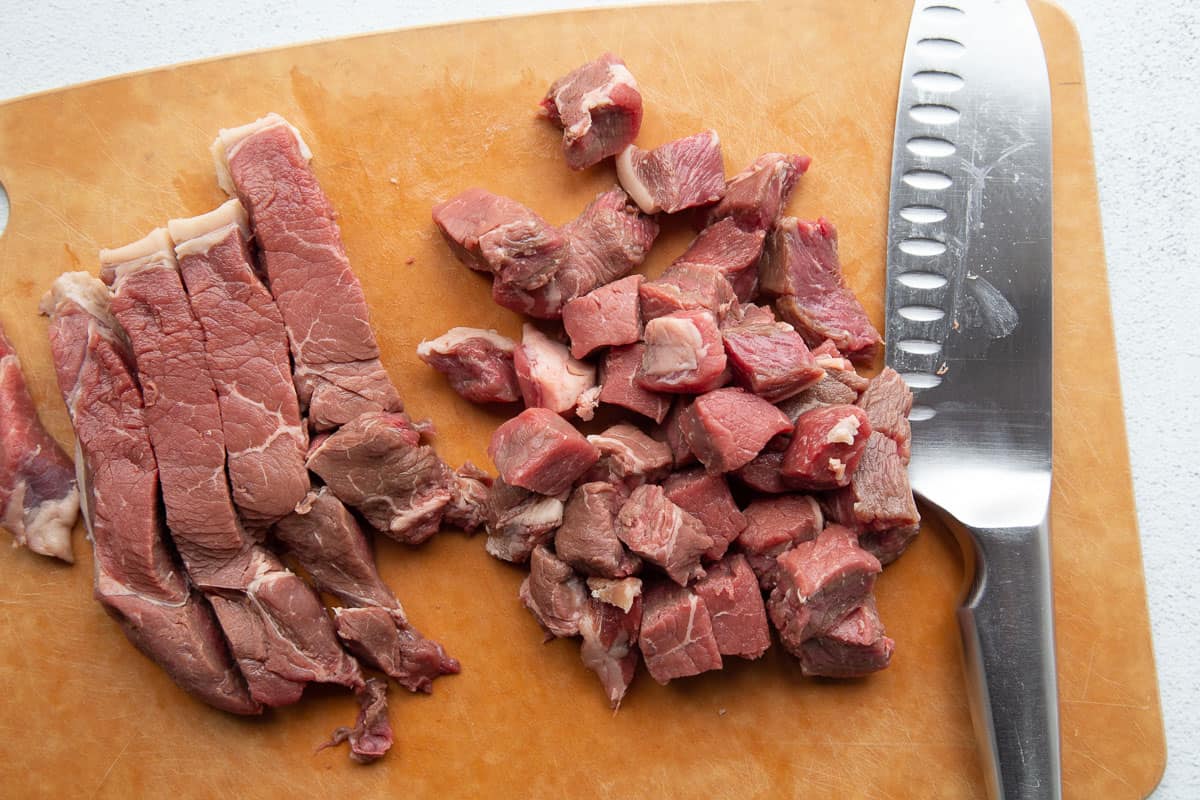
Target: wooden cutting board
(400,120)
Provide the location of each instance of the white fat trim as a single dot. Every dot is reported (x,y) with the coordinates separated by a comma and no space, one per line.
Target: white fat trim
(445,344)
(631,183)
(843,431)
(84,290)
(155,250)
(197,235)
(837,468)
(681,351)
(225,146)
(48,530)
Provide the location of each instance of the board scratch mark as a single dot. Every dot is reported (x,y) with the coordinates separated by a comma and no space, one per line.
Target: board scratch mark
(107,772)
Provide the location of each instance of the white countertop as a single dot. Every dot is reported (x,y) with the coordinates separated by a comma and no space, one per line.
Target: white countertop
(1142,74)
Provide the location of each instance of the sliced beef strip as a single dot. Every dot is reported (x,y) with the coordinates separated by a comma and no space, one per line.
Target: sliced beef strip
(39,498)
(609,648)
(607,316)
(727,428)
(587,539)
(879,496)
(540,451)
(629,457)
(826,446)
(247,350)
(756,196)
(770,360)
(335,356)
(663,533)
(676,637)
(683,355)
(708,499)
(518,520)
(888,545)
(735,608)
(377,464)
(685,173)
(371,736)
(773,525)
(554,594)
(599,108)
(687,287)
(888,401)
(549,376)
(137,579)
(733,252)
(855,646)
(478,363)
(619,386)
(469,492)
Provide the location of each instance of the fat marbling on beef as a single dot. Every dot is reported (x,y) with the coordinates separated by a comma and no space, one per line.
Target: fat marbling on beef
(687,287)
(676,637)
(878,497)
(478,363)
(663,533)
(685,173)
(540,451)
(629,457)
(599,108)
(39,498)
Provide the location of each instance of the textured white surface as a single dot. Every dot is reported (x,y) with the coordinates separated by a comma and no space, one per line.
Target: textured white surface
(1142,74)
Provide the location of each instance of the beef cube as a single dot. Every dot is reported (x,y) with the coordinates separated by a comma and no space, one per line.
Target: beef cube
(879,496)
(610,634)
(762,473)
(587,538)
(629,457)
(838,367)
(518,520)
(773,525)
(819,582)
(826,447)
(676,638)
(548,376)
(478,363)
(663,533)
(828,391)
(888,545)
(748,314)
(554,594)
(733,252)
(707,498)
(619,386)
(619,592)
(771,360)
(684,354)
(800,266)
(735,608)
(685,173)
(854,647)
(756,196)
(469,492)
(610,315)
(671,432)
(688,287)
(599,108)
(540,451)
(727,428)
(888,401)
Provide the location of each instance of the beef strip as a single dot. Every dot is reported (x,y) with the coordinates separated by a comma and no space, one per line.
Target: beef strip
(685,173)
(733,252)
(773,525)
(587,539)
(629,457)
(336,364)
(619,386)
(708,499)
(599,108)
(136,577)
(676,637)
(39,498)
(478,363)
(735,608)
(371,736)
(888,401)
(247,355)
(684,354)
(826,447)
(663,533)
(607,316)
(610,635)
(855,646)
(727,428)
(770,360)
(554,594)
(539,451)
(755,197)
(518,520)
(549,376)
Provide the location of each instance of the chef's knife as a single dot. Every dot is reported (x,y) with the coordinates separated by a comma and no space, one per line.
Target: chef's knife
(969,327)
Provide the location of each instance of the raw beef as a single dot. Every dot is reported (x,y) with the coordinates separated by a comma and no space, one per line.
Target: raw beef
(879,496)
(748,314)
(136,577)
(620,592)
(610,635)
(855,646)
(478,363)
(800,267)
(727,428)
(606,316)
(688,287)
(756,196)
(540,451)
(549,376)
(371,736)
(707,498)
(599,108)
(685,173)
(663,533)
(888,401)
(518,520)
(629,457)
(247,351)
(735,608)
(826,447)
(840,368)
(469,492)
(770,360)
(554,594)
(733,252)
(828,391)
(377,464)
(761,474)
(336,364)
(619,386)
(888,545)
(39,499)
(671,432)
(684,354)
(383,637)
(587,539)
(676,638)
(773,525)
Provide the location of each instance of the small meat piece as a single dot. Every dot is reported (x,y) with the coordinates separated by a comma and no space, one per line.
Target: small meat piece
(762,473)
(604,317)
(468,498)
(610,635)
(748,314)
(733,252)
(39,499)
(688,287)
(547,373)
(478,363)
(820,581)
(384,638)
(371,737)
(554,594)
(707,498)
(800,267)
(735,608)
(888,545)
(377,465)
(684,354)
(826,447)
(727,428)
(619,386)
(888,401)
(619,592)
(540,451)
(587,538)
(828,391)
(629,457)
(771,361)
(838,367)
(854,647)
(599,108)
(756,196)
(685,173)
(773,525)
(671,432)
(518,520)
(879,496)
(491,233)
(676,638)
(663,533)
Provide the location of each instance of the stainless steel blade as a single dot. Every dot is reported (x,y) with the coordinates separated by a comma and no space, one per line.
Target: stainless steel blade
(969,326)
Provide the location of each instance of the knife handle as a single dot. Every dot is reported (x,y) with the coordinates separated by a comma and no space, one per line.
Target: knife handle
(1008,642)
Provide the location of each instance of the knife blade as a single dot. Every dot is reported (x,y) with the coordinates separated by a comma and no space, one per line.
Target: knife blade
(968,325)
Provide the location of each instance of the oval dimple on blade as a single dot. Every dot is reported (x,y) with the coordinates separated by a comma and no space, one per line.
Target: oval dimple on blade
(934,114)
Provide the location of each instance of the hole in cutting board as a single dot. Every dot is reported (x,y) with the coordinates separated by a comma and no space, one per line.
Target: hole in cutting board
(3,209)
